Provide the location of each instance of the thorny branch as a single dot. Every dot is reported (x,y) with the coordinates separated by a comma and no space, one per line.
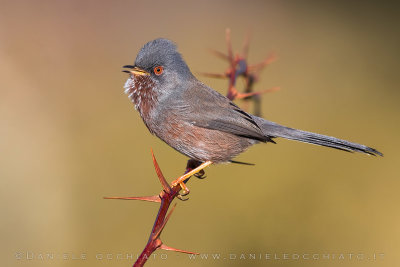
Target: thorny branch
(165,199)
(238,67)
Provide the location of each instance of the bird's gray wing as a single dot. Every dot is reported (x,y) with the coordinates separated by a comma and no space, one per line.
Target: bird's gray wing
(206,108)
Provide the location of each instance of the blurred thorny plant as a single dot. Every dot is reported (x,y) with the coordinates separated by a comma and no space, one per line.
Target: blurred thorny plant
(238,68)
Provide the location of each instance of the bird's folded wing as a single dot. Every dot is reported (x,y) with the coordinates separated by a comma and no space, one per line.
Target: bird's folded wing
(209,109)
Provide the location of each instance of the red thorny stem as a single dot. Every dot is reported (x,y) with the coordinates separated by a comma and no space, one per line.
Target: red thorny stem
(165,198)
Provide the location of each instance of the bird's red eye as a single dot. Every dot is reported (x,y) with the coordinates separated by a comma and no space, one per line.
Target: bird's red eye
(158,70)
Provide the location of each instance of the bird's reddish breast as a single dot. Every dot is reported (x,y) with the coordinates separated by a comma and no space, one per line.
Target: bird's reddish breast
(139,89)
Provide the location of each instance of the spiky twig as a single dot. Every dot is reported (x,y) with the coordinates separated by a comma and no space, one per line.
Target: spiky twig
(166,197)
(238,67)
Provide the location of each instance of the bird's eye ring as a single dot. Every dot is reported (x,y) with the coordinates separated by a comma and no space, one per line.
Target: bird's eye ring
(158,70)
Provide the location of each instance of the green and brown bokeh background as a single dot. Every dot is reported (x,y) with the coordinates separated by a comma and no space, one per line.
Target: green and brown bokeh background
(69,136)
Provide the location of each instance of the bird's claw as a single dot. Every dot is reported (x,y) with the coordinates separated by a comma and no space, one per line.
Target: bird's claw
(201,174)
(183,186)
(181,180)
(181,197)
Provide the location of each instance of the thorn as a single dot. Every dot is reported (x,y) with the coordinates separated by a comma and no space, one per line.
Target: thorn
(165,247)
(158,233)
(245,95)
(147,198)
(160,175)
(214,75)
(231,73)
(259,66)
(245,47)
(219,54)
(229,44)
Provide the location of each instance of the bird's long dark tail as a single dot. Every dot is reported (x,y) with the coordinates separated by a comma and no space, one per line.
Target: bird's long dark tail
(275,130)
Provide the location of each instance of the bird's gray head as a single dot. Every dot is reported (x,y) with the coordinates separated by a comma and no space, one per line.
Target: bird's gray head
(158,72)
(162,61)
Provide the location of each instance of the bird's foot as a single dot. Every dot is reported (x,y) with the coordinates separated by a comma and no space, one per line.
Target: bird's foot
(192,164)
(181,180)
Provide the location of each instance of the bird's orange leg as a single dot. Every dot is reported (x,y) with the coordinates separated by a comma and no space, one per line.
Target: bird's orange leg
(181,179)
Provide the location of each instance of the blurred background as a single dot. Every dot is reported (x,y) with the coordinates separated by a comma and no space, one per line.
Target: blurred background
(69,136)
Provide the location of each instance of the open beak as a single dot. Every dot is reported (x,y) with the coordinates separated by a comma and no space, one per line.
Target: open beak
(135,70)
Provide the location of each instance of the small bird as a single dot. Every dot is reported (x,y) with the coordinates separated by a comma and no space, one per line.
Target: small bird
(198,121)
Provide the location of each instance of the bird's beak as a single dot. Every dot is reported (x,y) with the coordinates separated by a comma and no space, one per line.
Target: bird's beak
(135,70)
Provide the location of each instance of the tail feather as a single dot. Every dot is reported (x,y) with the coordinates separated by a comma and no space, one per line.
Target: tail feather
(272,129)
